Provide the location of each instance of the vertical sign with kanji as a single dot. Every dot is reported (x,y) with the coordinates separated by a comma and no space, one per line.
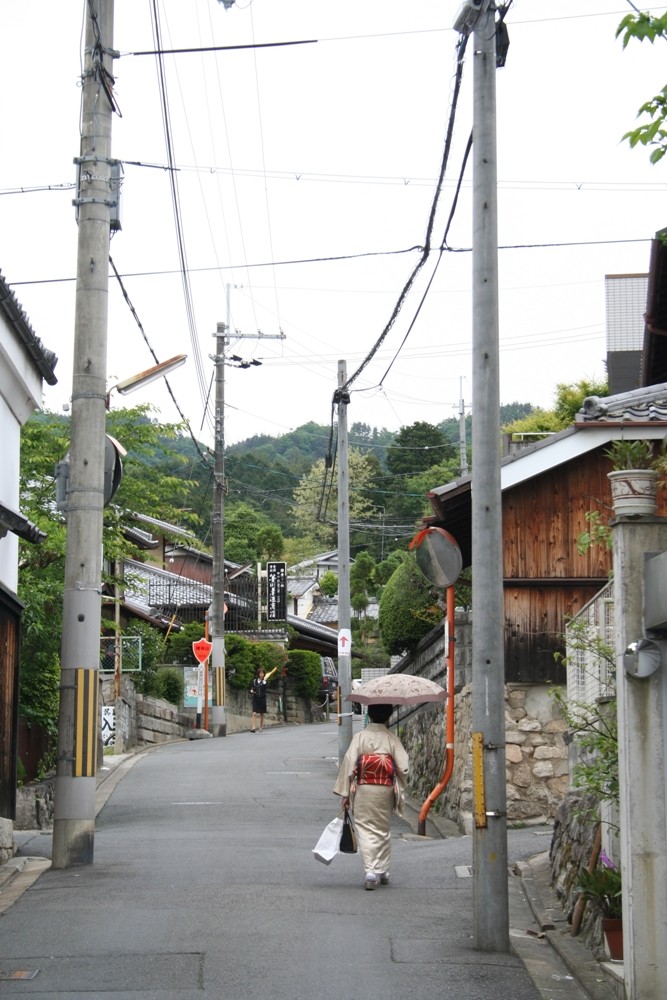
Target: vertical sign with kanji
(276,591)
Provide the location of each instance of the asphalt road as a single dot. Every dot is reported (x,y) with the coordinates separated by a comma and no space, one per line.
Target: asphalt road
(204,886)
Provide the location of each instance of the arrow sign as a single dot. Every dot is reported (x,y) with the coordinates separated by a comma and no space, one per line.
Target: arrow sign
(344,642)
(202,649)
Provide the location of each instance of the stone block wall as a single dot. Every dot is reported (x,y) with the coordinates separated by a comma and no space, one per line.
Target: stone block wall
(536,755)
(571,846)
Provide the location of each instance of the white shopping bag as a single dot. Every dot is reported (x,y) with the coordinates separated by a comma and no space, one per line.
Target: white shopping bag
(327,846)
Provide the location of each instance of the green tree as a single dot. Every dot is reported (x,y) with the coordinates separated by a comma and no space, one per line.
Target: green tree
(316,498)
(652,134)
(161,490)
(569,398)
(417,448)
(407,608)
(179,644)
(250,536)
(410,504)
(329,584)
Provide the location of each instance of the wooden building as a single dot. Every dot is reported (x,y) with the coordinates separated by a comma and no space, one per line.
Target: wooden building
(547,490)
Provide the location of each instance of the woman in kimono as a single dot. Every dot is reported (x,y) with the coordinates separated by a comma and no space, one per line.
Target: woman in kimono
(372,782)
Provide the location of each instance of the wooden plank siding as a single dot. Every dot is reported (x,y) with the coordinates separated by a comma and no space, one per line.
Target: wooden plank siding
(545,579)
(10,622)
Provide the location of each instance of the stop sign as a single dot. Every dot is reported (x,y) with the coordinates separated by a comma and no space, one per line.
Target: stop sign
(202,649)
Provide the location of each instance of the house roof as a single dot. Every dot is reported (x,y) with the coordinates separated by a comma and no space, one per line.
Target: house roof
(451,503)
(44,360)
(325,610)
(11,520)
(298,586)
(149,590)
(322,559)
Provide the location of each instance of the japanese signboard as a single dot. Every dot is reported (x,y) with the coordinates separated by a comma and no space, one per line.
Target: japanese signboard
(276,591)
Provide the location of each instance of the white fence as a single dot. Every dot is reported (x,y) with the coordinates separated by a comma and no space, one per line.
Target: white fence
(590,646)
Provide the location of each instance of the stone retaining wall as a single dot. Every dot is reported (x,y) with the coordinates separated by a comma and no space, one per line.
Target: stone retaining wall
(536,754)
(571,846)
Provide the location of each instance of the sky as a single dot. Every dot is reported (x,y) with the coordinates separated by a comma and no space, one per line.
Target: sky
(306,176)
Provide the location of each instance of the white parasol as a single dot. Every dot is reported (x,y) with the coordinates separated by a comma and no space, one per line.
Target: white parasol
(397,689)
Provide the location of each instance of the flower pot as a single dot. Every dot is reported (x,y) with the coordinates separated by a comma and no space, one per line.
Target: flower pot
(633,491)
(613,932)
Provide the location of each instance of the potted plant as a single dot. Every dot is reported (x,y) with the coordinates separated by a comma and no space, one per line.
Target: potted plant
(633,477)
(603,889)
(626,454)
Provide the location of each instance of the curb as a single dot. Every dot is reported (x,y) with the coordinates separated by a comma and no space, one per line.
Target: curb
(600,981)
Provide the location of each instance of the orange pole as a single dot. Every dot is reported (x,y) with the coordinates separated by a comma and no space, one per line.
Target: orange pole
(205,669)
(449,731)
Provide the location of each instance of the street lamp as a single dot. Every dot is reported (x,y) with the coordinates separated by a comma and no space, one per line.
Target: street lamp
(160,370)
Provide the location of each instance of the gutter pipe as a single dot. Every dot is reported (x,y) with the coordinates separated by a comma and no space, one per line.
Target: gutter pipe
(449,730)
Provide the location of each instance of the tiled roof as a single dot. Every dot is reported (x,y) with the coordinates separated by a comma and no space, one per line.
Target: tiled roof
(325,610)
(45,361)
(298,586)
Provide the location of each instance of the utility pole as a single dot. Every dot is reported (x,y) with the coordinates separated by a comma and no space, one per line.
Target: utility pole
(217,618)
(74,810)
(463,444)
(342,398)
(490,893)
(217,613)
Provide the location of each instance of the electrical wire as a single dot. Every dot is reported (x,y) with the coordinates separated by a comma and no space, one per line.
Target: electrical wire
(205,459)
(173,181)
(426,250)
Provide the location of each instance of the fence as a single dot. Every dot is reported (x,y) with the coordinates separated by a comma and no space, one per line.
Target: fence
(589,643)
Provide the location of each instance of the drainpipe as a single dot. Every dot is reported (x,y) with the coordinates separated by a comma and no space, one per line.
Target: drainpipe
(449,733)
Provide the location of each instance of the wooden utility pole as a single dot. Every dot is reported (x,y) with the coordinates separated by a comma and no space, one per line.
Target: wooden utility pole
(74,808)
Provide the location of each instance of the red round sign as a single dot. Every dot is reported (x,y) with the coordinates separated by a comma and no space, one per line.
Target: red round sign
(202,649)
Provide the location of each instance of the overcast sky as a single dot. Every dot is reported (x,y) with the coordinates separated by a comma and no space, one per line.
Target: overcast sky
(307,174)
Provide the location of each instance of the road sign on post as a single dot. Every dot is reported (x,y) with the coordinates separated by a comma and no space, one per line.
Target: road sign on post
(202,649)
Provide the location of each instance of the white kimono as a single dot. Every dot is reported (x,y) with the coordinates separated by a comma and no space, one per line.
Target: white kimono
(372,805)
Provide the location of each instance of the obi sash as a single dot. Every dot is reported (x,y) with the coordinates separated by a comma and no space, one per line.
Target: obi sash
(375,769)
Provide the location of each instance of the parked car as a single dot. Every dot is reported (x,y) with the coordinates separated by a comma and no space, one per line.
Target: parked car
(329,680)
(356,706)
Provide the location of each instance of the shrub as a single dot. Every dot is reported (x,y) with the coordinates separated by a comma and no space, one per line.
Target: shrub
(305,670)
(152,652)
(407,609)
(179,644)
(244,657)
(169,684)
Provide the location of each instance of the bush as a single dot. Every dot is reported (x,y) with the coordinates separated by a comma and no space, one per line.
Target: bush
(152,653)
(179,645)
(304,669)
(407,609)
(169,684)
(244,657)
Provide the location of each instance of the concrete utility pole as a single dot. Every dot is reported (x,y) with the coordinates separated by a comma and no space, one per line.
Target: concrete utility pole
(342,398)
(74,812)
(217,615)
(642,753)
(463,443)
(490,893)
(217,618)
